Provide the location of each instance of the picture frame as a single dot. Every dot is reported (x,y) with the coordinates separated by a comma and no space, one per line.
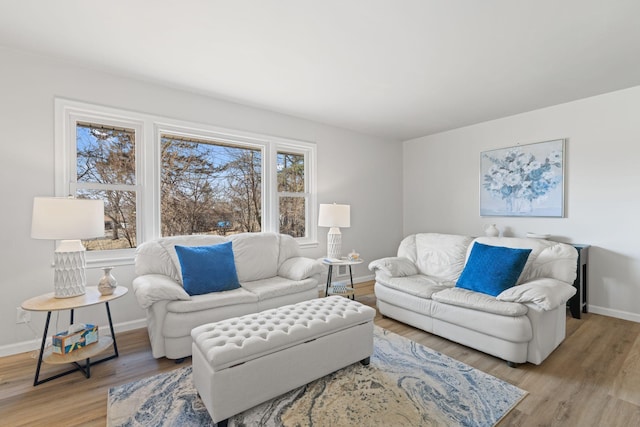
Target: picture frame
(523,180)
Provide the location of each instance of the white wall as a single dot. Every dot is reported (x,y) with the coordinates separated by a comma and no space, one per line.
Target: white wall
(441,187)
(352,168)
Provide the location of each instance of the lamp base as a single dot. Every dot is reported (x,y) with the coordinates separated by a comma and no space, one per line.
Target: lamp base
(69,274)
(334,243)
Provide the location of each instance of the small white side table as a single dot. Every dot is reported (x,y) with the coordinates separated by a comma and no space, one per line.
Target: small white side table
(49,303)
(349,292)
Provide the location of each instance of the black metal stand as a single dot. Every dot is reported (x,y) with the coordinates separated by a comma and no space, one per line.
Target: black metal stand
(578,303)
(86,368)
(330,273)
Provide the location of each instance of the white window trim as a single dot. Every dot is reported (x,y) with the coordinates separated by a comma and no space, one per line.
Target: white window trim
(67,114)
(148,129)
(309,153)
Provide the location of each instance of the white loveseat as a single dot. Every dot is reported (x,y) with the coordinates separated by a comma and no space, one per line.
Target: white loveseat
(269,267)
(524,323)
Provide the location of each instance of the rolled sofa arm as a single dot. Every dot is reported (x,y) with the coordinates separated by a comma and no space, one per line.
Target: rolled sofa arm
(394,266)
(299,268)
(545,293)
(151,288)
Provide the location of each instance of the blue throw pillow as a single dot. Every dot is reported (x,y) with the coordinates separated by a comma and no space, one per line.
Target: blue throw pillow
(492,269)
(207,269)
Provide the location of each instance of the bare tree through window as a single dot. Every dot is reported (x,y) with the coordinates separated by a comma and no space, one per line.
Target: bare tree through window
(291,192)
(209,187)
(106,169)
(206,186)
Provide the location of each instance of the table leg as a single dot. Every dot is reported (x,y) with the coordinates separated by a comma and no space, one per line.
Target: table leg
(113,334)
(353,296)
(41,355)
(113,337)
(326,291)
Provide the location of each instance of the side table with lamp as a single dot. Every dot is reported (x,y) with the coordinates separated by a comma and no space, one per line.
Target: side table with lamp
(335,216)
(68,220)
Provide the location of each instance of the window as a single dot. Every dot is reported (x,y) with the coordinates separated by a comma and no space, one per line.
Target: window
(292,193)
(163,177)
(106,169)
(209,187)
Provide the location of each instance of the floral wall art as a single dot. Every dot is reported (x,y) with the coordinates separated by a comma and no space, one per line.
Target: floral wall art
(525,180)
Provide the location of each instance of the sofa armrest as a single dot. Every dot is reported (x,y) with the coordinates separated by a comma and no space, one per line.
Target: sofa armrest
(546,293)
(394,266)
(151,288)
(299,268)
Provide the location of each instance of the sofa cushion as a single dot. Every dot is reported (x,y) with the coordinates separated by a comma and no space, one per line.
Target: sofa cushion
(180,319)
(515,329)
(401,301)
(213,300)
(153,258)
(441,255)
(207,269)
(479,301)
(418,285)
(289,248)
(256,255)
(492,269)
(278,286)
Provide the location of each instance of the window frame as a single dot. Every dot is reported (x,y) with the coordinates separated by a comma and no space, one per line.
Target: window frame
(148,131)
(68,114)
(306,194)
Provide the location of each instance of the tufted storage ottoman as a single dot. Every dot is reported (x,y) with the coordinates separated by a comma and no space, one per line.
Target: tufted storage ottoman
(241,362)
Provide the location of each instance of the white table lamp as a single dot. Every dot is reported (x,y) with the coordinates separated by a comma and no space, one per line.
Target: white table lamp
(68,220)
(334,216)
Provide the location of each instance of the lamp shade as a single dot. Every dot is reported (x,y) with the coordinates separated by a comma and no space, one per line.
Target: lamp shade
(333,215)
(61,218)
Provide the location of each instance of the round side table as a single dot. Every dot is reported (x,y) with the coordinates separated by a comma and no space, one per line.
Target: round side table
(48,303)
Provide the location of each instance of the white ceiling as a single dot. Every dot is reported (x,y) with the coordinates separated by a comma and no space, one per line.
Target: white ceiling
(397,69)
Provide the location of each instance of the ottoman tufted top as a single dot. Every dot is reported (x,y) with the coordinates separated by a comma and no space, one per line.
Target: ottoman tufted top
(237,340)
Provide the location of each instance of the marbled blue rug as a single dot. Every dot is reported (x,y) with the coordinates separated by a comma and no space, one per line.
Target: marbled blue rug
(406,384)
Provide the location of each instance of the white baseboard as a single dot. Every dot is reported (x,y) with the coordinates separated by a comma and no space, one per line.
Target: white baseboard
(619,314)
(34,344)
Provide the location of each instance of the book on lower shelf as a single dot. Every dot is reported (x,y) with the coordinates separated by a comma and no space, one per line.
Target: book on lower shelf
(68,341)
(340,288)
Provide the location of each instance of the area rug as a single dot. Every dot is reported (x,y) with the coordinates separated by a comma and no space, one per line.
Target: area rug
(406,384)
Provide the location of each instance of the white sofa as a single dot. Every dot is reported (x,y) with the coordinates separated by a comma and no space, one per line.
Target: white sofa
(269,267)
(524,323)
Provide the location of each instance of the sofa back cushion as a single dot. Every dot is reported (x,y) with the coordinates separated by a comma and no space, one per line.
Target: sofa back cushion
(257,255)
(159,256)
(289,248)
(435,254)
(547,258)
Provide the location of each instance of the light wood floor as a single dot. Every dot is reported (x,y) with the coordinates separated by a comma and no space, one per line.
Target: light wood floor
(592,379)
